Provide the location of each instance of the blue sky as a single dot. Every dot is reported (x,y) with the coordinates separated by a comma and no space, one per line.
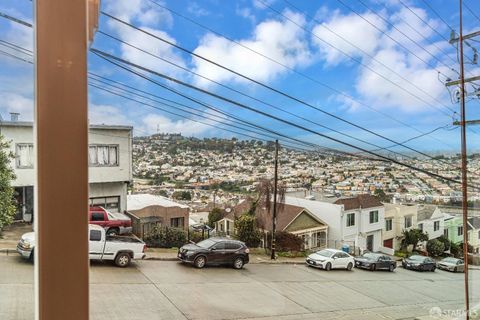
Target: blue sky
(386,65)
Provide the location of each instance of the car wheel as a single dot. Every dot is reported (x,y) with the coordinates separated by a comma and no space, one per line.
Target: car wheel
(328,266)
(455,269)
(238,263)
(122,260)
(433,269)
(113,232)
(391,268)
(350,266)
(32,257)
(200,262)
(373,267)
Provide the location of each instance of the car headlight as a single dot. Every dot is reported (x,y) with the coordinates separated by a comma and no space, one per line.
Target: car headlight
(26,244)
(189,253)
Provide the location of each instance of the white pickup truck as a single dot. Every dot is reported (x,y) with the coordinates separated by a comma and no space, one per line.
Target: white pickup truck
(101,246)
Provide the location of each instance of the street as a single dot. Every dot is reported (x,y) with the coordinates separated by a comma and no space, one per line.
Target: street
(170,290)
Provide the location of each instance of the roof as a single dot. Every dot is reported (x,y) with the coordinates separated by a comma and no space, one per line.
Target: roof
(140,201)
(285,216)
(475,222)
(425,212)
(92,126)
(361,201)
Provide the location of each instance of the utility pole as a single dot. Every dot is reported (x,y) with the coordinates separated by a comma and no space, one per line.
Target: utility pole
(274,217)
(464,165)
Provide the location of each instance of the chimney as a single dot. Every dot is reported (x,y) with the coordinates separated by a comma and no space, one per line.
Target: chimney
(14,116)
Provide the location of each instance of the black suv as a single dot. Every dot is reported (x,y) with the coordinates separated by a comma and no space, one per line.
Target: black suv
(215,251)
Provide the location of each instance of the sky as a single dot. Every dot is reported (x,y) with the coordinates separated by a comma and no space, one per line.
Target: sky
(379,64)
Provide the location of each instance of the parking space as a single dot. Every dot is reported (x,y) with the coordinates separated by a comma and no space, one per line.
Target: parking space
(170,290)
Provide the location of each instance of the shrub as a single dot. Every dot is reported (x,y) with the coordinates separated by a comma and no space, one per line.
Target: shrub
(445,241)
(196,236)
(166,237)
(456,250)
(247,231)
(285,242)
(435,247)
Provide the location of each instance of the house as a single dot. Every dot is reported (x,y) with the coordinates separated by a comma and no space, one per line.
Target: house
(148,211)
(110,165)
(293,219)
(430,220)
(357,222)
(474,233)
(453,228)
(398,217)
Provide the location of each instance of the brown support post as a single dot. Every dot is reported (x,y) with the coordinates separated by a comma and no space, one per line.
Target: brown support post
(61,126)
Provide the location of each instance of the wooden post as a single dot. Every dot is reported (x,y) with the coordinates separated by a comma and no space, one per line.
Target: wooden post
(61,126)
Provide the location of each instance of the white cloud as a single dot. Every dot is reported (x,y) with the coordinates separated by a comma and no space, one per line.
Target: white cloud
(353,29)
(195,9)
(280,40)
(246,13)
(153,123)
(13,102)
(140,10)
(260,4)
(106,114)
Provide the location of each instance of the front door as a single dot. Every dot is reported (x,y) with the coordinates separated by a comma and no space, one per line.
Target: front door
(370,242)
(217,253)
(388,243)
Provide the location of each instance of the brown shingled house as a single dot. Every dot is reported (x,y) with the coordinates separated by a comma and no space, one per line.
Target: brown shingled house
(293,219)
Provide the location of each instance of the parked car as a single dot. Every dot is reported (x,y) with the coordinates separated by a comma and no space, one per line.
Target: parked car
(419,263)
(120,249)
(328,259)
(115,223)
(375,261)
(451,264)
(215,251)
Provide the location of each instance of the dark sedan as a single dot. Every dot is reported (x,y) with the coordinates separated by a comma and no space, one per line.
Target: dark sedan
(375,261)
(215,251)
(419,263)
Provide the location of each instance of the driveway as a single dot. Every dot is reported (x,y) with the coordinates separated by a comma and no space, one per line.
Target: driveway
(170,290)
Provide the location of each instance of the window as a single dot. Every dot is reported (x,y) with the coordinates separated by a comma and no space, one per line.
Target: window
(350,219)
(460,231)
(98,216)
(95,235)
(436,225)
(388,224)
(420,226)
(219,246)
(103,155)
(232,246)
(374,216)
(24,155)
(112,204)
(408,222)
(177,222)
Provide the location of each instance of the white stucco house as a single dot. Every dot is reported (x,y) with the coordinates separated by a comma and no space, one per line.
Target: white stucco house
(431,220)
(356,222)
(110,165)
(398,217)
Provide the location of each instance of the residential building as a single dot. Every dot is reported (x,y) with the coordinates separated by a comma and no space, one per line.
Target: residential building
(398,217)
(148,211)
(430,220)
(110,165)
(357,222)
(474,234)
(293,219)
(453,228)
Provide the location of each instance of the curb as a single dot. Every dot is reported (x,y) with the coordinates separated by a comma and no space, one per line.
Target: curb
(8,251)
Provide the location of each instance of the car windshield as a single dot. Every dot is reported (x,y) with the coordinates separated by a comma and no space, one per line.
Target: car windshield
(206,243)
(372,256)
(450,260)
(417,258)
(325,253)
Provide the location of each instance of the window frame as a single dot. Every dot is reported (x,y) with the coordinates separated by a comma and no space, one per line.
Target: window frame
(349,220)
(410,219)
(17,155)
(436,225)
(375,216)
(96,146)
(459,228)
(389,224)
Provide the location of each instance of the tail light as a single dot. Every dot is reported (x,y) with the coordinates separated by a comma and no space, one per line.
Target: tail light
(144,248)
(247,250)
(128,223)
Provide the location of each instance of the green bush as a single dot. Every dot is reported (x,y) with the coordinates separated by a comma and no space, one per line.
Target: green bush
(166,237)
(445,241)
(435,247)
(247,231)
(196,236)
(456,250)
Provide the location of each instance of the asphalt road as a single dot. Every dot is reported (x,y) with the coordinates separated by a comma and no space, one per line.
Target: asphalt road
(170,290)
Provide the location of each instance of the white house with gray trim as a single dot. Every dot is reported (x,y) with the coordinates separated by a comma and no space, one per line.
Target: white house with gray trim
(110,165)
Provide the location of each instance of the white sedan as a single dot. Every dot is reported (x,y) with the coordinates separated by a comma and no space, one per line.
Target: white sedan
(328,259)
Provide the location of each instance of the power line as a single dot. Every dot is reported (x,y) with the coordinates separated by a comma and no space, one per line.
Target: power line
(246,95)
(8,17)
(316,81)
(97,52)
(257,82)
(471,11)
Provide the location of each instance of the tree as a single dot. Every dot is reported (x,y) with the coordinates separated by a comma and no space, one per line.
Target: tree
(7,202)
(381,195)
(214,216)
(247,231)
(435,247)
(265,191)
(413,237)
